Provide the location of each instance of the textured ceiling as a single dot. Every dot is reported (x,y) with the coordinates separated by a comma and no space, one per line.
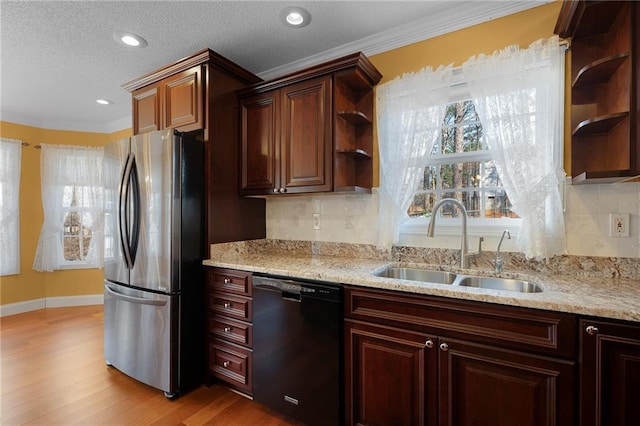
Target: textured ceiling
(58,57)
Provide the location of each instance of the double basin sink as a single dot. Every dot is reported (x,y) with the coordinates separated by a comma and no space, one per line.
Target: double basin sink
(444,277)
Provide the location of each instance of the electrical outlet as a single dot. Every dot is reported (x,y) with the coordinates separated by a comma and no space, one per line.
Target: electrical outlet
(316,221)
(618,225)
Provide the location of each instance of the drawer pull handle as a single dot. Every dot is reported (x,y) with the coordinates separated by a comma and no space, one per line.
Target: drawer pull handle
(227,329)
(227,305)
(592,330)
(444,347)
(227,281)
(429,343)
(226,364)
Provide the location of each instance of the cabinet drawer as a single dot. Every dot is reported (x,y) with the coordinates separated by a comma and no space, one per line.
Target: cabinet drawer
(228,305)
(538,331)
(231,330)
(231,364)
(230,281)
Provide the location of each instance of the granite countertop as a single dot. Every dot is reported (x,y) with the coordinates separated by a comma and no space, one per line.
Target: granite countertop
(616,298)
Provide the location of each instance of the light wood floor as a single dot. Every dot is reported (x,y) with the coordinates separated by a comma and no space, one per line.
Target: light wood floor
(53,372)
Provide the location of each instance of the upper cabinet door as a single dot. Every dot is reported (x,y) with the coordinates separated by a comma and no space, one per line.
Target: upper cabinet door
(146,109)
(175,102)
(183,107)
(306,142)
(260,135)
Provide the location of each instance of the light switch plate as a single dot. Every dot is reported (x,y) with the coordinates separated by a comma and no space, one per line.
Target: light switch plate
(619,225)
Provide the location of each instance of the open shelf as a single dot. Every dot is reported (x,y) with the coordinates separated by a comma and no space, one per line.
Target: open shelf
(353,189)
(599,71)
(355,117)
(355,153)
(597,18)
(609,176)
(599,125)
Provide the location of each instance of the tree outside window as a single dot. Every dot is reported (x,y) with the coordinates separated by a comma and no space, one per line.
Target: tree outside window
(461,168)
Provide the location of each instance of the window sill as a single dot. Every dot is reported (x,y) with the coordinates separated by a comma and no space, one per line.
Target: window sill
(453,227)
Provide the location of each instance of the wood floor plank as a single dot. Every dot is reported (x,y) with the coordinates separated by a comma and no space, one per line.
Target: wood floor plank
(52,372)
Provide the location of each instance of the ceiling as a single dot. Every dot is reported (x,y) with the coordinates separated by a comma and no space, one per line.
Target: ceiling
(58,57)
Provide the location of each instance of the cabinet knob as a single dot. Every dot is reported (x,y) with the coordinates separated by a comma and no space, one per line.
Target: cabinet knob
(226,364)
(444,347)
(429,343)
(276,190)
(227,305)
(227,281)
(592,330)
(283,190)
(227,329)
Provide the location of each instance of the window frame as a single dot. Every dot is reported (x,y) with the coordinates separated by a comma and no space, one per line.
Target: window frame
(416,226)
(89,262)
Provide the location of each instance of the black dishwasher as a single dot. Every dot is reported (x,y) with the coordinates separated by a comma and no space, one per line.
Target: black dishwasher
(297,348)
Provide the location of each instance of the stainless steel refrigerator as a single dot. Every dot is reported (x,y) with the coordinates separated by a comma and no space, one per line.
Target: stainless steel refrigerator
(153,289)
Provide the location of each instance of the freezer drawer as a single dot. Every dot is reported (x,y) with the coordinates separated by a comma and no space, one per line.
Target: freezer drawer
(140,335)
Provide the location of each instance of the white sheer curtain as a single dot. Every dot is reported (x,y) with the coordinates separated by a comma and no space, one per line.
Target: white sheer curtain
(410,110)
(10,161)
(63,167)
(518,97)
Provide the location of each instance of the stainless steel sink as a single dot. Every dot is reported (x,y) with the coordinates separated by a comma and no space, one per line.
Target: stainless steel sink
(499,284)
(451,278)
(418,274)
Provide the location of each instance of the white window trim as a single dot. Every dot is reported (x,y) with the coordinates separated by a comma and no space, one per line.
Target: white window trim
(417,226)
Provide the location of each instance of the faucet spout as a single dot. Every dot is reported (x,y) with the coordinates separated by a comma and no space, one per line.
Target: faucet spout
(499,263)
(465,255)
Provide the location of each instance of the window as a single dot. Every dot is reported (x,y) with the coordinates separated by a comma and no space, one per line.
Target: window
(73,199)
(460,167)
(79,214)
(10,160)
(496,148)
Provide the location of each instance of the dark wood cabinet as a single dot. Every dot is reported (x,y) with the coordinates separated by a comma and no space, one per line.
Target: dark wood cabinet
(609,373)
(391,376)
(310,131)
(486,385)
(286,139)
(174,102)
(420,360)
(147,110)
(197,94)
(229,327)
(605,101)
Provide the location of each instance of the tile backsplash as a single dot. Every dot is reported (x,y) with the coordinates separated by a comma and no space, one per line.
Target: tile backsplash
(343,218)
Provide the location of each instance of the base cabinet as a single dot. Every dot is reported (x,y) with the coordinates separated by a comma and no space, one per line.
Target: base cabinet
(483,385)
(418,360)
(229,328)
(386,370)
(609,373)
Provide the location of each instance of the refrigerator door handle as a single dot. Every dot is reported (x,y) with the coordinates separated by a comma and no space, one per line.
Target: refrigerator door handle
(132,299)
(123,211)
(135,225)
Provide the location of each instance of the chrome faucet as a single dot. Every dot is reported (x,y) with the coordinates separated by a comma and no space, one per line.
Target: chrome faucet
(465,254)
(499,265)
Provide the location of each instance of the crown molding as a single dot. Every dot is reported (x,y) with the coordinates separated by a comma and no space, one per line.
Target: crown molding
(436,25)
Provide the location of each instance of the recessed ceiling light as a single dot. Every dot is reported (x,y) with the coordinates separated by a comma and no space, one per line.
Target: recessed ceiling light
(104,102)
(295,17)
(129,39)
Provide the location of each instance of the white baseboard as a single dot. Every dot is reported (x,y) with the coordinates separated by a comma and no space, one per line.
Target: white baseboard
(20,307)
(50,302)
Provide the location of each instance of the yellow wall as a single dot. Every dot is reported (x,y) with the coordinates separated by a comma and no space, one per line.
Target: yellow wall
(521,28)
(29,284)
